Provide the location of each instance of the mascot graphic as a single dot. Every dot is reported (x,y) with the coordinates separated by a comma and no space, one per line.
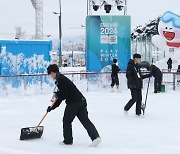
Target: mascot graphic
(168,39)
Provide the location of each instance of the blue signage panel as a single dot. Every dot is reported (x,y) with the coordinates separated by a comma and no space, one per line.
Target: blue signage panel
(107,37)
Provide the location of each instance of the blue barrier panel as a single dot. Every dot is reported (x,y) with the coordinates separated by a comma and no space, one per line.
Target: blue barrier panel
(24,57)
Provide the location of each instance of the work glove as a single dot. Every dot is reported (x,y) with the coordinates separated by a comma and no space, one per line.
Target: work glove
(49,109)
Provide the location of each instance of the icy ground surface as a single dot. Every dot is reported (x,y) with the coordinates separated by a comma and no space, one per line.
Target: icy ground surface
(158,132)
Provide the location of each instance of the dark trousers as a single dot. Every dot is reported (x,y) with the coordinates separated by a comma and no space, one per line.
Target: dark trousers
(78,109)
(157,84)
(136,97)
(169,67)
(115,80)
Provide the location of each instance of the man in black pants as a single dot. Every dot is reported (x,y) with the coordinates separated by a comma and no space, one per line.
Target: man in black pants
(134,81)
(178,75)
(114,74)
(157,74)
(76,106)
(169,63)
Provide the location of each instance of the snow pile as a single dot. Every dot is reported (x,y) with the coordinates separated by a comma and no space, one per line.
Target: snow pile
(36,86)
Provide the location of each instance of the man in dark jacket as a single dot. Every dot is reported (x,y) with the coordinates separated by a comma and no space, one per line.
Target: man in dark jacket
(178,70)
(114,74)
(157,74)
(76,106)
(134,81)
(178,76)
(169,63)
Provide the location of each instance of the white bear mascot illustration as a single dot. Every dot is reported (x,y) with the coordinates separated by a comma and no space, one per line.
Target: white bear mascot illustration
(168,39)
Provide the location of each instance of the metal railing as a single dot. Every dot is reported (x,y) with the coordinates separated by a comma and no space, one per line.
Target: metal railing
(84,80)
(171,78)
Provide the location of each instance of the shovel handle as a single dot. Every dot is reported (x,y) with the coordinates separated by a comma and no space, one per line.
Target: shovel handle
(40,122)
(43,118)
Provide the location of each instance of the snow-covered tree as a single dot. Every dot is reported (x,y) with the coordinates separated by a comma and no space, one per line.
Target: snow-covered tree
(147,31)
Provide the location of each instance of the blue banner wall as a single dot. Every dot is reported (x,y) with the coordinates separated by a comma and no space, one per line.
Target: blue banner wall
(107,37)
(24,57)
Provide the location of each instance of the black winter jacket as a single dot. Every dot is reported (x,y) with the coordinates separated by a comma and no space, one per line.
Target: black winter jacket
(115,70)
(156,72)
(178,70)
(169,62)
(133,81)
(66,91)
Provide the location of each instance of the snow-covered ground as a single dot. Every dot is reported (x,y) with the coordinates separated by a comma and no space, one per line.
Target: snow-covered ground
(155,133)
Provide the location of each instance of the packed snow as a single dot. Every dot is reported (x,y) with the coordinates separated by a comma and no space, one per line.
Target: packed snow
(157,132)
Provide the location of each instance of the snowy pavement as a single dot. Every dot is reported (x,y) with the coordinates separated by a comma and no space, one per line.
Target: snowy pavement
(155,133)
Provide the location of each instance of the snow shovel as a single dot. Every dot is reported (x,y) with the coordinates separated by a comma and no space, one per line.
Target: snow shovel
(33,132)
(143,106)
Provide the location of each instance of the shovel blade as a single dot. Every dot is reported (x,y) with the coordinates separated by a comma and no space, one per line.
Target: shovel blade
(31,132)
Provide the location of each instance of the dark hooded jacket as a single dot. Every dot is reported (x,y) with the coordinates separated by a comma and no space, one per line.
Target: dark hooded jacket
(156,72)
(133,81)
(66,90)
(178,70)
(115,70)
(169,63)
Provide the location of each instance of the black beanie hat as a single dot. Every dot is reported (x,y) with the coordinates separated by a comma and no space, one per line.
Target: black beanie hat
(136,55)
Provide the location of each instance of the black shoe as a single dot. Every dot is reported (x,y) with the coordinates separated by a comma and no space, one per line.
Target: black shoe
(138,114)
(65,143)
